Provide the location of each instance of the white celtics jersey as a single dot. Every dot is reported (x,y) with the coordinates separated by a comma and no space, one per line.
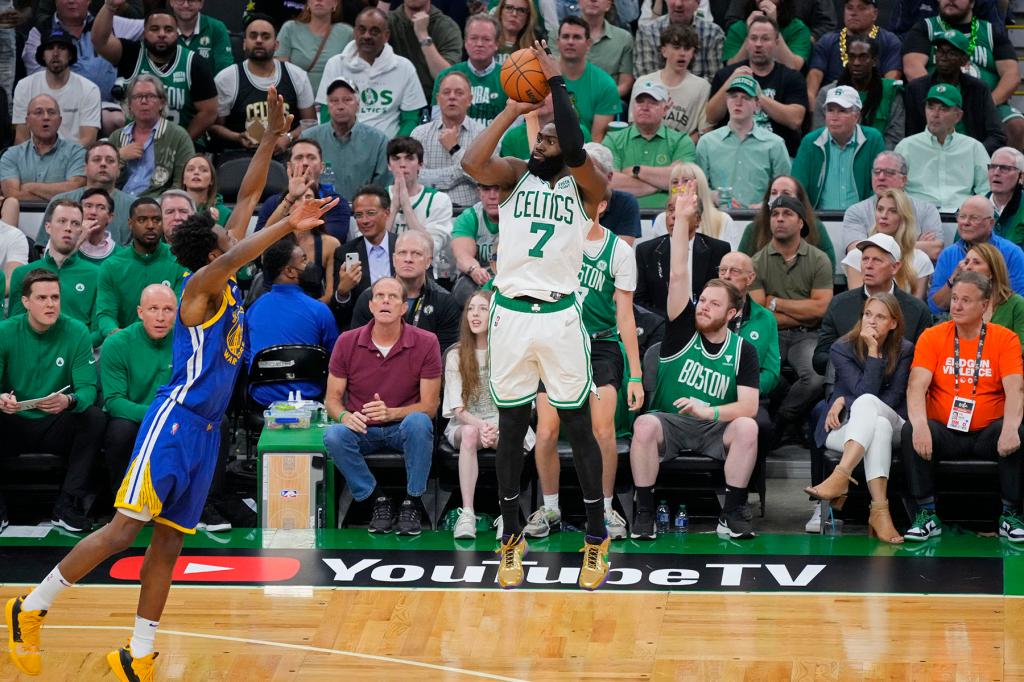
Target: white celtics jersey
(540,239)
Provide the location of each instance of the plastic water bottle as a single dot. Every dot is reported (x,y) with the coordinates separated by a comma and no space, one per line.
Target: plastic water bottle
(681,523)
(327,179)
(661,516)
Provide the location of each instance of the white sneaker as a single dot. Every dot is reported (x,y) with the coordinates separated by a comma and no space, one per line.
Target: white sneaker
(814,525)
(616,525)
(499,523)
(465,527)
(542,522)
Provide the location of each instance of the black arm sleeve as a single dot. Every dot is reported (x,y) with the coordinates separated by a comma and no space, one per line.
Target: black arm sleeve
(567,124)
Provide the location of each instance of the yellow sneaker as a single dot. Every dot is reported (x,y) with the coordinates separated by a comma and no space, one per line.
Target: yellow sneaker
(131,669)
(595,564)
(23,636)
(510,568)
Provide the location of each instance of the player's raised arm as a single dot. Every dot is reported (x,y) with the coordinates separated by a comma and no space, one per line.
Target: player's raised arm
(679,286)
(479,161)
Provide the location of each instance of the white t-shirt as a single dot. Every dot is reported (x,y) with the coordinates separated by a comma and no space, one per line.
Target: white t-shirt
(227,85)
(689,102)
(481,406)
(923,266)
(13,246)
(79,102)
(434,209)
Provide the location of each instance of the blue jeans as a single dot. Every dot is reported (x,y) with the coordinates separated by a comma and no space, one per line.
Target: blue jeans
(413,437)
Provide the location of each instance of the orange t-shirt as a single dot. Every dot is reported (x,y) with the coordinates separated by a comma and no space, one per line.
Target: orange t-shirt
(1001,357)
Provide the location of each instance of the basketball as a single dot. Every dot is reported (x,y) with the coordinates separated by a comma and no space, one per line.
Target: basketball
(522,78)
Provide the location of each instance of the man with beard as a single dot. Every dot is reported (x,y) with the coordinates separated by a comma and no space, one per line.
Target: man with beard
(199,32)
(536,325)
(79,98)
(191,93)
(242,90)
(706,396)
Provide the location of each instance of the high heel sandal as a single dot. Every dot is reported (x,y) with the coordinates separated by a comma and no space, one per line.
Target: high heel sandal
(833,488)
(880,524)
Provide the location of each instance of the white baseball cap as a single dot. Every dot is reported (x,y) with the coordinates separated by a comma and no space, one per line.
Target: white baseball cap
(844,96)
(885,243)
(649,87)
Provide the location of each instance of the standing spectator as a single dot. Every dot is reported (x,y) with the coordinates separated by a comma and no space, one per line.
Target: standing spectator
(742,156)
(946,167)
(77,97)
(176,206)
(944,423)
(622,215)
(514,142)
(707,61)
(153,150)
(481,68)
(687,92)
(519,21)
(375,247)
(1005,176)
(386,82)
(834,162)
(384,399)
(594,93)
(425,36)
(97,213)
(782,92)
(794,46)
(45,164)
(611,47)
(310,39)
(199,179)
(758,233)
(474,242)
(1006,308)
(445,138)
(201,33)
(356,152)
(818,16)
(66,422)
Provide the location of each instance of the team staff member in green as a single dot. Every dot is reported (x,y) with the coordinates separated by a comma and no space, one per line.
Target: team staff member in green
(706,395)
(123,276)
(42,352)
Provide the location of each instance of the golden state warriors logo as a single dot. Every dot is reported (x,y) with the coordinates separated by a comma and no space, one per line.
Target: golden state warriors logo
(235,342)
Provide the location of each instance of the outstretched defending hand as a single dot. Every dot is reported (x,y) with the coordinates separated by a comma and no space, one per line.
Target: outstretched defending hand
(309,213)
(278,123)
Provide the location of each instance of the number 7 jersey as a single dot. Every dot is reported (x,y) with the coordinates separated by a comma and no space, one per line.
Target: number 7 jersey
(540,239)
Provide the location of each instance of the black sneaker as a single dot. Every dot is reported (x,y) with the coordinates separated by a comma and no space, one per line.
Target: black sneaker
(643,526)
(383,516)
(409,519)
(213,521)
(68,514)
(736,523)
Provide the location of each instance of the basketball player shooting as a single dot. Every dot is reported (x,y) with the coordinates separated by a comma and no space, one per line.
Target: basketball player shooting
(536,329)
(176,451)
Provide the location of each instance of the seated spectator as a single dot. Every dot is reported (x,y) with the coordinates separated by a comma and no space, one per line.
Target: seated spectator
(199,179)
(481,68)
(1005,179)
(310,39)
(881,98)
(514,142)
(418,207)
(45,164)
(317,278)
(685,414)
(974,223)
(832,52)
(1005,308)
(980,119)
(390,92)
(136,362)
(468,405)
(834,162)
(741,158)
(794,47)
(819,17)
(176,205)
(688,93)
(794,281)
(594,93)
(375,248)
(123,276)
(714,223)
(97,213)
(622,216)
(644,151)
(77,97)
(905,15)
(867,409)
(101,171)
(889,171)
(519,21)
(383,388)
(652,259)
(13,244)
(782,92)
(474,238)
(431,43)
(428,306)
(894,217)
(206,36)
(445,139)
(242,91)
(286,315)
(153,150)
(647,57)
(758,233)
(66,423)
(943,424)
(190,95)
(611,47)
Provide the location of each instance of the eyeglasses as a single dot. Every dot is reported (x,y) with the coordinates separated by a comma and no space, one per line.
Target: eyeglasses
(723,270)
(887,172)
(145,97)
(1003,168)
(972,219)
(516,10)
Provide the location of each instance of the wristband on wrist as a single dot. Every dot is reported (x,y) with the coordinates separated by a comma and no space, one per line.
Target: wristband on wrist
(472,268)
(716,414)
(636,380)
(342,415)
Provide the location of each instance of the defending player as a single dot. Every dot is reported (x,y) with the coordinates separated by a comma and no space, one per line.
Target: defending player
(536,328)
(176,451)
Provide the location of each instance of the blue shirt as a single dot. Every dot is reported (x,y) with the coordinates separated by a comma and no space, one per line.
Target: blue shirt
(287,315)
(622,215)
(335,221)
(140,171)
(954,253)
(380,263)
(64,161)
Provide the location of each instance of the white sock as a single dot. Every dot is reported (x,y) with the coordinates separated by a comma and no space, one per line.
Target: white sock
(143,637)
(607,505)
(42,597)
(551,501)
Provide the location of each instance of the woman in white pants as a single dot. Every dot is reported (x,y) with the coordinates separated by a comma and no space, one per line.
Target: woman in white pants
(867,408)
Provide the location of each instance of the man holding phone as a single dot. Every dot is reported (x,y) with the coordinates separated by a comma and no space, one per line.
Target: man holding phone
(362,261)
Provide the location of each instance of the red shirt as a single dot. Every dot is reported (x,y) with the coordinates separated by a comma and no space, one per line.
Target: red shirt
(396,378)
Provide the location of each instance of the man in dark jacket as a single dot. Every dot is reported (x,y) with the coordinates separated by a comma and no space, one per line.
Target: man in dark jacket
(375,249)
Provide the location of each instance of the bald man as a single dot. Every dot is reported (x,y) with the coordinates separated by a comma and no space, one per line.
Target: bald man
(45,164)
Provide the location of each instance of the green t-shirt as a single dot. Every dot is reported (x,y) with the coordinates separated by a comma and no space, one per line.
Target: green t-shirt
(796,34)
(515,144)
(693,373)
(475,224)
(629,148)
(132,368)
(594,94)
(123,276)
(598,286)
(211,42)
(78,281)
(489,97)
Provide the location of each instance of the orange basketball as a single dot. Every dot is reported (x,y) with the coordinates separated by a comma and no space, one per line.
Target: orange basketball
(522,78)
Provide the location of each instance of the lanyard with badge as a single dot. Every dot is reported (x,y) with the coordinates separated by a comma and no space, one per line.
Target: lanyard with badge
(416,311)
(963,408)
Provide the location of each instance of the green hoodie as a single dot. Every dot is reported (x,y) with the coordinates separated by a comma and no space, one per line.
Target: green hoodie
(123,276)
(78,277)
(132,368)
(811,163)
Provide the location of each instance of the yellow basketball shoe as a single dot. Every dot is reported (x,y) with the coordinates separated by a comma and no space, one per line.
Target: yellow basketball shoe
(131,669)
(23,636)
(595,563)
(510,567)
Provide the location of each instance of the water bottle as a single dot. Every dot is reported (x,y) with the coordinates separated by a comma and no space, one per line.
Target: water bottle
(682,521)
(327,180)
(661,517)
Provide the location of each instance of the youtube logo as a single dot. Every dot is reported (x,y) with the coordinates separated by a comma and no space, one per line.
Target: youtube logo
(216,569)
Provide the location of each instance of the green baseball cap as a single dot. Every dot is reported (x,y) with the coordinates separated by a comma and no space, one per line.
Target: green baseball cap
(954,38)
(947,94)
(744,84)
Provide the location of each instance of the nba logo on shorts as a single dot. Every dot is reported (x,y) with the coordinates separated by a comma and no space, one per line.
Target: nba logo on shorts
(174,428)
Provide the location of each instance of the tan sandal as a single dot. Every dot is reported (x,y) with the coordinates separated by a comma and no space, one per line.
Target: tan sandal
(834,487)
(880,524)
